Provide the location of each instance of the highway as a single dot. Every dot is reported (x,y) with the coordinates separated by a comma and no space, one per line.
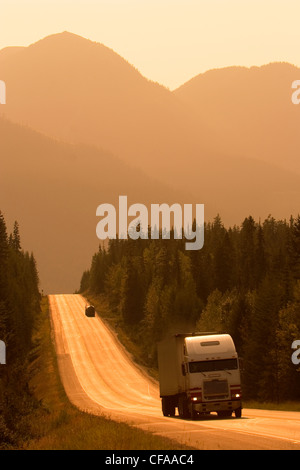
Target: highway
(99,377)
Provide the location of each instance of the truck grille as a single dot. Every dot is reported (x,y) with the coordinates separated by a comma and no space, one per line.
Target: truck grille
(215,389)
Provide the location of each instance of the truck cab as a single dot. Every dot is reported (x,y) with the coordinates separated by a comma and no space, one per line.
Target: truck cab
(199,374)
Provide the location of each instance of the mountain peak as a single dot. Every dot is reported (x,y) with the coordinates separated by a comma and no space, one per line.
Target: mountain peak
(73,46)
(65,37)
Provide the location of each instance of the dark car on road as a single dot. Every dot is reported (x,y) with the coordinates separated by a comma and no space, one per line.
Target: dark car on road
(90,311)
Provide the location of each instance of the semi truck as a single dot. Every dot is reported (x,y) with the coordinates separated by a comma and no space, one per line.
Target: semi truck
(199,373)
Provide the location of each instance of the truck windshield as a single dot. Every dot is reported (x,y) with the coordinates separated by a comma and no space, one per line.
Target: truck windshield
(209,366)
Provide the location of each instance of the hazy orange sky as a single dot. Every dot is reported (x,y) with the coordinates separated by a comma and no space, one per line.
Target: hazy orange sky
(169,41)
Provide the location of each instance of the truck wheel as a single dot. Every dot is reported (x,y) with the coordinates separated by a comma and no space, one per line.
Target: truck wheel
(168,407)
(171,408)
(164,405)
(238,413)
(194,414)
(183,408)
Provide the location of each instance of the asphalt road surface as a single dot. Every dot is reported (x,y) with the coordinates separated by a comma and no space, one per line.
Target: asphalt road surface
(99,377)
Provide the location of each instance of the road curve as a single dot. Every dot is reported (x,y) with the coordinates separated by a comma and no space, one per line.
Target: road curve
(99,377)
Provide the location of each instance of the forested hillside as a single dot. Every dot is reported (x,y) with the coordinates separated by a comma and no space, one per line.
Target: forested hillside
(245,282)
(19,307)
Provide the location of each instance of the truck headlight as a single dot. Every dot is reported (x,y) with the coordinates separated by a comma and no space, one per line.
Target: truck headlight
(196,397)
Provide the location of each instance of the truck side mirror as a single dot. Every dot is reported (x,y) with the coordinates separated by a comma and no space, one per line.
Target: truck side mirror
(183,369)
(241,363)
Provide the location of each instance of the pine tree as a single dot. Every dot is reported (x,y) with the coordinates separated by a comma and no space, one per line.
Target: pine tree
(261,358)
(247,254)
(131,303)
(3,258)
(14,239)
(288,330)
(19,307)
(260,257)
(295,248)
(224,263)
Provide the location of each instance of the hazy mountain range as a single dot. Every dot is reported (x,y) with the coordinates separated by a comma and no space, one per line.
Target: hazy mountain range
(86,126)
(53,190)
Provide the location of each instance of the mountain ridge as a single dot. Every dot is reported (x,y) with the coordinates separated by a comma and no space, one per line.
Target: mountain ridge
(254,114)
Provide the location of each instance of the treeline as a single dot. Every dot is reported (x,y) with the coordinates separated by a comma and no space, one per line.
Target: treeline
(19,306)
(245,282)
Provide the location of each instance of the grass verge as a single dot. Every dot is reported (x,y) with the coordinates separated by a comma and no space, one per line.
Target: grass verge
(284,406)
(57,425)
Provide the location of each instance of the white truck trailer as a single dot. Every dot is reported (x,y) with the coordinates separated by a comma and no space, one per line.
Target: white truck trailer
(198,374)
